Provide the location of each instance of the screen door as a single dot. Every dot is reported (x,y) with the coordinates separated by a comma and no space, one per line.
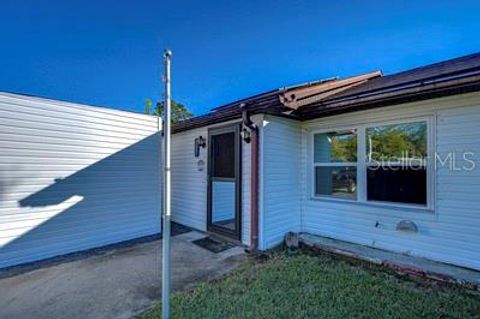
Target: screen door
(224,181)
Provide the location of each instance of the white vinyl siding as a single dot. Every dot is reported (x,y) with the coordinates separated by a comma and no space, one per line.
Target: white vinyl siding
(189,185)
(246,164)
(74,177)
(282,179)
(449,232)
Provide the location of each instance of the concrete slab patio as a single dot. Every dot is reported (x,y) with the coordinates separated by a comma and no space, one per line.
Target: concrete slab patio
(116,284)
(404,264)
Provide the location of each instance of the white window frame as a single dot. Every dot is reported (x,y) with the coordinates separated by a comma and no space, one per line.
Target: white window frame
(361,163)
(333,164)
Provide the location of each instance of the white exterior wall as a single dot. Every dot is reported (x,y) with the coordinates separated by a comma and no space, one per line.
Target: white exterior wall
(282,177)
(448,233)
(246,165)
(74,177)
(189,185)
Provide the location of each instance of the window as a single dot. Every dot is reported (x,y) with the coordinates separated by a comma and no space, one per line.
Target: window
(400,185)
(335,156)
(396,158)
(223,157)
(374,163)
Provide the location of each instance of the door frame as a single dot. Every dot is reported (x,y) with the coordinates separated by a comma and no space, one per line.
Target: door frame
(211,227)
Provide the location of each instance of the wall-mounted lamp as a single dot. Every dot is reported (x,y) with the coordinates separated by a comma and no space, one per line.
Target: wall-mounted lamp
(199,142)
(246,135)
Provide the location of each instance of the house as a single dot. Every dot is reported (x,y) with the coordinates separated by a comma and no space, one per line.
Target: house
(74,177)
(384,161)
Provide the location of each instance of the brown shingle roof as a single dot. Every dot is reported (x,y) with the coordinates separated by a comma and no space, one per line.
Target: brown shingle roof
(333,96)
(454,76)
(423,73)
(280,102)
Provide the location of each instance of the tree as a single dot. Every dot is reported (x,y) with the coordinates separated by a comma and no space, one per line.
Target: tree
(393,142)
(179,111)
(344,147)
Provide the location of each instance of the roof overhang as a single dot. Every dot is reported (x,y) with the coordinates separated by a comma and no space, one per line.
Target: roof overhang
(332,96)
(421,90)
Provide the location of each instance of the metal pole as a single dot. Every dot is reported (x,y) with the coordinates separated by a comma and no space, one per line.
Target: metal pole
(166,192)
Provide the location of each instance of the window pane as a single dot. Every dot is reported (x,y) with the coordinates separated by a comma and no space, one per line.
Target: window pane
(223,204)
(340,181)
(399,184)
(335,147)
(398,142)
(223,148)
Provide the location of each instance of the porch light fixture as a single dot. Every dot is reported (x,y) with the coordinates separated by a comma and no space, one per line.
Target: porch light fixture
(246,135)
(199,142)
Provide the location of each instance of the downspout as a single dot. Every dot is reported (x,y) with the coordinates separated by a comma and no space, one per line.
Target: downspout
(253,140)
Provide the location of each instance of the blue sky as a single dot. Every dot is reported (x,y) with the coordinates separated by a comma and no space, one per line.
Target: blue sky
(108,53)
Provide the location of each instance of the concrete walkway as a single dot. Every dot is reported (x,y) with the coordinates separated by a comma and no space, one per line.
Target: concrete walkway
(404,264)
(116,284)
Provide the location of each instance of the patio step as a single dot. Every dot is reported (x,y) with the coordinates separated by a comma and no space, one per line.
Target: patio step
(400,263)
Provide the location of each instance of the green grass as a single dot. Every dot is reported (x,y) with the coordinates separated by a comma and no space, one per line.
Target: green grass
(305,286)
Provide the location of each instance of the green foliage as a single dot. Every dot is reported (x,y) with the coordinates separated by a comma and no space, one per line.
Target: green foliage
(304,286)
(179,111)
(344,148)
(336,147)
(393,142)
